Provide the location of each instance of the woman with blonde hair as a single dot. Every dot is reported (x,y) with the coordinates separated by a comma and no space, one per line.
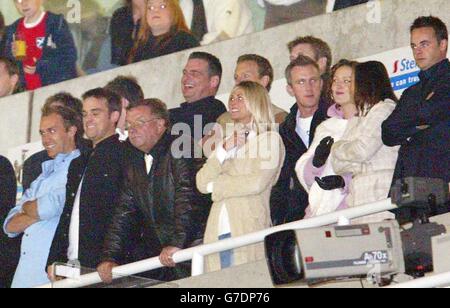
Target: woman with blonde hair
(240,175)
(163,31)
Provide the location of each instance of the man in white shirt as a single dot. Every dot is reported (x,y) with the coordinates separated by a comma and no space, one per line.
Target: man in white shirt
(289,200)
(217,20)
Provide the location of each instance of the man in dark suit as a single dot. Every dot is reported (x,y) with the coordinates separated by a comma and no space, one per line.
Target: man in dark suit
(420,124)
(289,200)
(10,248)
(93,185)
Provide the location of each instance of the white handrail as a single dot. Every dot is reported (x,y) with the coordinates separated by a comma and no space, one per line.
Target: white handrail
(198,253)
(435,281)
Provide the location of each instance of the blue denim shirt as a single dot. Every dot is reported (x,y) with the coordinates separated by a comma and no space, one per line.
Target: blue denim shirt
(49,190)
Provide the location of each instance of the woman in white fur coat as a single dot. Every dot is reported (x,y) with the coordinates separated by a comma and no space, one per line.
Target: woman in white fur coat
(327,191)
(361,151)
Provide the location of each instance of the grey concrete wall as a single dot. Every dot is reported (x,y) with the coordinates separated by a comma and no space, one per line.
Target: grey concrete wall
(350,33)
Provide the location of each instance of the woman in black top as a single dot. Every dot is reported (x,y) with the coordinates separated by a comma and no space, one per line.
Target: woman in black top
(164,32)
(124,29)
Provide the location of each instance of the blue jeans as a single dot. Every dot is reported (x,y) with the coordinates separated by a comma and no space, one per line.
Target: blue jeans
(226,257)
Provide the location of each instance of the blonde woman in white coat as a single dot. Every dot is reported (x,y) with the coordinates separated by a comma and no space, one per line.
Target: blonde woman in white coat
(240,175)
(361,151)
(328,191)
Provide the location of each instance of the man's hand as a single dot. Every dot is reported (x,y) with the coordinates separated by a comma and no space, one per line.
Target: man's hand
(31,209)
(323,152)
(51,274)
(331,182)
(105,271)
(166,256)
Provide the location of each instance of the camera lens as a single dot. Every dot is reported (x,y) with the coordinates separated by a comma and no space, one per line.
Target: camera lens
(283,257)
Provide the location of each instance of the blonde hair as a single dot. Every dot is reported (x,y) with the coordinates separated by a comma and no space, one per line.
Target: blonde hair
(259,105)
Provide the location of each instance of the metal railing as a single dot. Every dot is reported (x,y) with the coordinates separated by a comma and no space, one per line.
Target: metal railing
(435,281)
(198,254)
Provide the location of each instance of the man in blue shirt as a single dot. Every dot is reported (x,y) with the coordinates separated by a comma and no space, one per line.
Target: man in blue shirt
(37,214)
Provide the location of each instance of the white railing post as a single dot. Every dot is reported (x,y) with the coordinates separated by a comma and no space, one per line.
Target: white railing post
(435,281)
(198,264)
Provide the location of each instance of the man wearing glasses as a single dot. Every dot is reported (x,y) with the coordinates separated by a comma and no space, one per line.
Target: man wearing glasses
(93,186)
(160,203)
(421,121)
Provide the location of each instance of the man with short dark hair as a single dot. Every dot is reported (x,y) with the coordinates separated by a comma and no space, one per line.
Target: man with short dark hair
(130,92)
(93,185)
(160,203)
(316,49)
(9,77)
(200,83)
(38,212)
(289,200)
(32,167)
(257,69)
(421,122)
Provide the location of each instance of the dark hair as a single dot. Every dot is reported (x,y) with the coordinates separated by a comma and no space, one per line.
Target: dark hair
(112,99)
(214,65)
(157,107)
(12,69)
(301,61)
(264,66)
(70,117)
(336,67)
(372,85)
(126,87)
(439,27)
(10,65)
(321,48)
(65,99)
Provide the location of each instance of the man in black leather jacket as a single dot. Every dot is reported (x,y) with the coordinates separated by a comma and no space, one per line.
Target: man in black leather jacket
(160,202)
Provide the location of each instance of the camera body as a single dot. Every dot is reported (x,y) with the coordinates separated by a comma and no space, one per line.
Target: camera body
(335,252)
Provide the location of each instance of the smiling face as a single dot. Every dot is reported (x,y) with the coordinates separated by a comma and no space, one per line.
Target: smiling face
(56,138)
(238,105)
(342,88)
(99,123)
(426,47)
(196,83)
(159,17)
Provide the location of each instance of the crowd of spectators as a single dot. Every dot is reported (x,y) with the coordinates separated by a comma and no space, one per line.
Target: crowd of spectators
(123,179)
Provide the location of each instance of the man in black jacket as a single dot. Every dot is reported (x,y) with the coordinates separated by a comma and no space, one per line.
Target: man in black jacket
(93,186)
(199,84)
(32,168)
(421,122)
(160,202)
(289,200)
(10,248)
